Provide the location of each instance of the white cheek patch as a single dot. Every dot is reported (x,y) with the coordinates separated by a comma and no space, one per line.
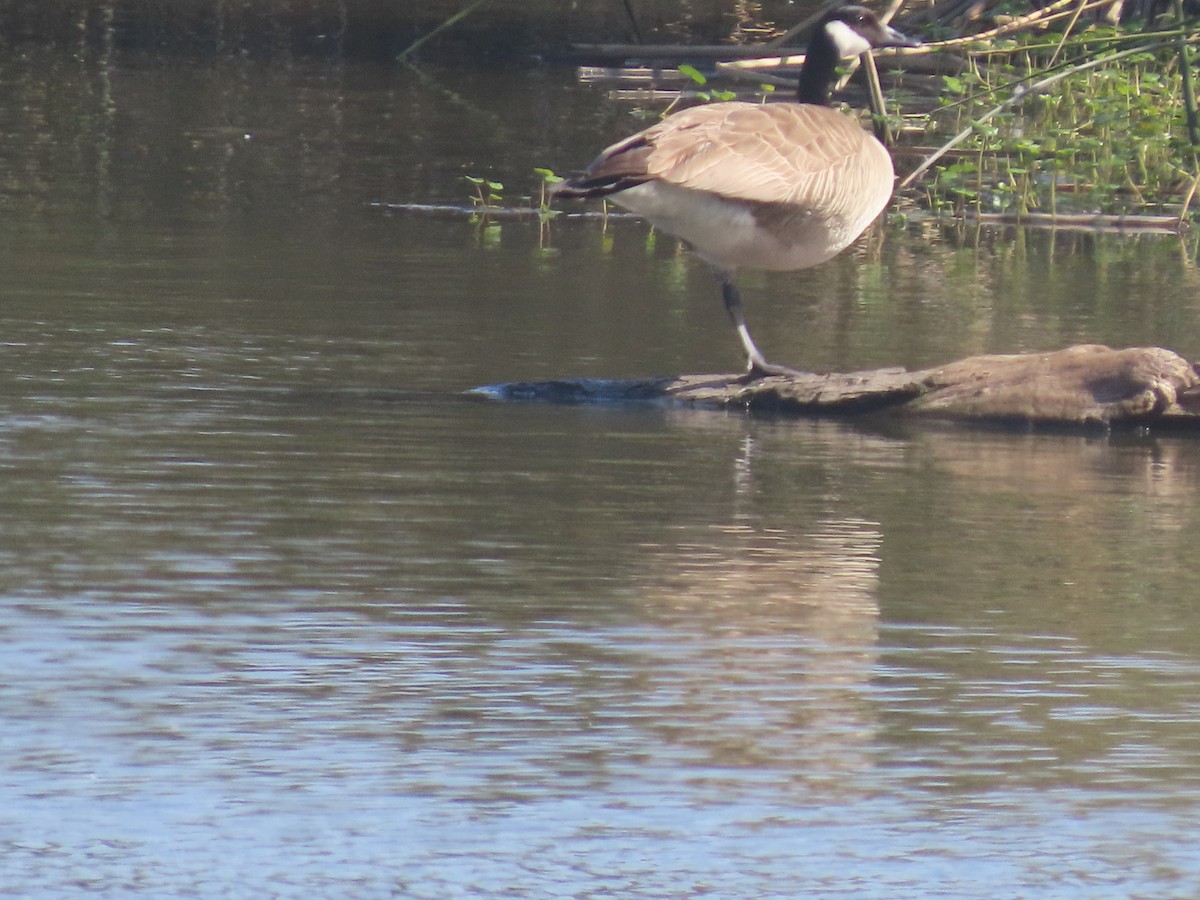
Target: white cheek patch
(849,42)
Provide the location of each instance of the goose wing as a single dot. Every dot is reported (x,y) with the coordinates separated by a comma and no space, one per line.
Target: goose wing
(789,153)
(796,154)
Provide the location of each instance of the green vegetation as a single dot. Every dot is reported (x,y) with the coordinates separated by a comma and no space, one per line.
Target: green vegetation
(1050,114)
(701,80)
(486,194)
(1065,124)
(486,200)
(548,180)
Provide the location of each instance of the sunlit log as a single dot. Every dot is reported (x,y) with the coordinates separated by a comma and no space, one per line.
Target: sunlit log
(1086,386)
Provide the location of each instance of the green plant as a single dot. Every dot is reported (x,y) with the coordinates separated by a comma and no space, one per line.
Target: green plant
(701,80)
(487,193)
(547,180)
(1103,130)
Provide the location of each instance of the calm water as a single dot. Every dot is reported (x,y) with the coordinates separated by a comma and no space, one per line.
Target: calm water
(286,614)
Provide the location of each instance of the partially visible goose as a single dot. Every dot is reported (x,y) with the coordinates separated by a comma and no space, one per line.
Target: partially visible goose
(769,186)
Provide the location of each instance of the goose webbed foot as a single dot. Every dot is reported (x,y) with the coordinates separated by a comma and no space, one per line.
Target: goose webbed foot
(760,368)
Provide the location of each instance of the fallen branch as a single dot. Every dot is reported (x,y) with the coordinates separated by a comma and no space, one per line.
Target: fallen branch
(1120,224)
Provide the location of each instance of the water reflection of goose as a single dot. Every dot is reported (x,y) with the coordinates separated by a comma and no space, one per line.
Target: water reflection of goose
(771,186)
(774,644)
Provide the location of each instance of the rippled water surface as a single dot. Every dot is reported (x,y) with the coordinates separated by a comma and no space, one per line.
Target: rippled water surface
(285,613)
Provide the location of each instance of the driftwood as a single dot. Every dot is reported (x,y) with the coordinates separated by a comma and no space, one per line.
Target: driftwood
(1083,386)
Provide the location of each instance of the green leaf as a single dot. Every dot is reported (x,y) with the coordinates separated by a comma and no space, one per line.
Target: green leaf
(693,73)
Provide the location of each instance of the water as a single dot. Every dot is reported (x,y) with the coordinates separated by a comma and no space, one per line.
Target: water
(285,613)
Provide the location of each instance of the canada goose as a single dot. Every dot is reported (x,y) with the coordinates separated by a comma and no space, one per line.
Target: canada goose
(771,186)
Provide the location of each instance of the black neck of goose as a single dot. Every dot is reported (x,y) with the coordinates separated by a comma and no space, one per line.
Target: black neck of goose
(818,71)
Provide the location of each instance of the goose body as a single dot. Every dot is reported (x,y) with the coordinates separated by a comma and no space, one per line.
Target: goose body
(777,186)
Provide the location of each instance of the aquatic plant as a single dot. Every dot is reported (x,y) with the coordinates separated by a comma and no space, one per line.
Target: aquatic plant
(547,179)
(486,194)
(485,201)
(701,80)
(1101,121)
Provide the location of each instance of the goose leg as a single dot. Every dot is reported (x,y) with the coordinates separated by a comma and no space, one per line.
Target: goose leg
(757,366)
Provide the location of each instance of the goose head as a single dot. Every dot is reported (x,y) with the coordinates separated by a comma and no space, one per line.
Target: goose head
(841,34)
(853,30)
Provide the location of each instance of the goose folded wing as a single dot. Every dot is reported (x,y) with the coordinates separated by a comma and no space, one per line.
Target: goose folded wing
(780,153)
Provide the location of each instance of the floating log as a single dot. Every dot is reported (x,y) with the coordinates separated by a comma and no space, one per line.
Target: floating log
(1087,386)
(751,55)
(673,53)
(1095,222)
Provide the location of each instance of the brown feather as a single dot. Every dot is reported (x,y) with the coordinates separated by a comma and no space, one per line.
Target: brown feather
(778,153)
(810,176)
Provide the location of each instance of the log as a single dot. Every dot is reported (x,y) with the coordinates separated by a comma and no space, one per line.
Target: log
(1085,386)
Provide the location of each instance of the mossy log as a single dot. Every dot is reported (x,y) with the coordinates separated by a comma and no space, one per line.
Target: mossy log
(1081,386)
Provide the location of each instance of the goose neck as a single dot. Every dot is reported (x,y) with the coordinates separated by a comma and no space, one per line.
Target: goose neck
(818,71)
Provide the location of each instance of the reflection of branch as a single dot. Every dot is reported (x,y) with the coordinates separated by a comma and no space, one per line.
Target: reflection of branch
(456,99)
(419,42)
(637,32)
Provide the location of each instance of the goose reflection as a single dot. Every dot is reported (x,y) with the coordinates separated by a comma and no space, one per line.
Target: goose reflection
(775,631)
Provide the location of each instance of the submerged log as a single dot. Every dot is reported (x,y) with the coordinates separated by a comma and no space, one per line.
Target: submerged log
(1081,386)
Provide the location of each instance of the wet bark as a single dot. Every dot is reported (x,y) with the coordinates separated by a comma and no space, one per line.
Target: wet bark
(1084,386)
